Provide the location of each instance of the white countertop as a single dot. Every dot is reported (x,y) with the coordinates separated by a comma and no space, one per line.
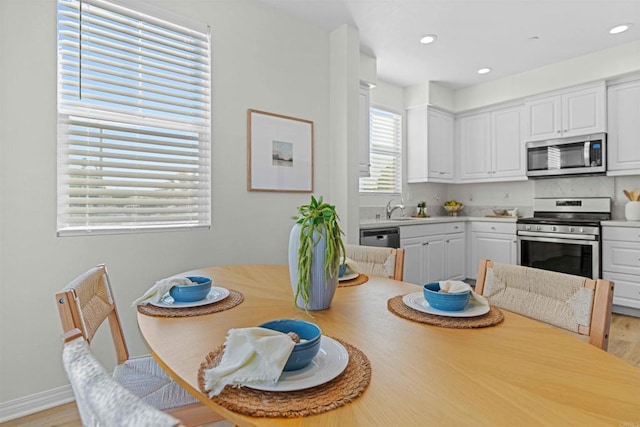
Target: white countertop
(373,223)
(621,223)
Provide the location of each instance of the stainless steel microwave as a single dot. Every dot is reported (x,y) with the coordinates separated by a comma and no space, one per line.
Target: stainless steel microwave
(579,155)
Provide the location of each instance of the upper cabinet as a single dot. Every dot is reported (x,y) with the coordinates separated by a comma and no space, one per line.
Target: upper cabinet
(429,145)
(364,130)
(492,146)
(578,111)
(624,129)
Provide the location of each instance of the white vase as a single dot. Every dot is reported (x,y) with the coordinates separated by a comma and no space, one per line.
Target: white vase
(632,211)
(321,288)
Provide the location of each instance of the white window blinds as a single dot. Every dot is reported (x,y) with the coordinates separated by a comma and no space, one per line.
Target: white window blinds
(134,105)
(385,142)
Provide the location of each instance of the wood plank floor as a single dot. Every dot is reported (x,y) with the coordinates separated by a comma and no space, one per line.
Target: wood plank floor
(624,342)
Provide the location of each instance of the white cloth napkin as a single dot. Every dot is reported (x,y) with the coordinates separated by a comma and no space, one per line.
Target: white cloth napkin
(157,291)
(352,266)
(455,286)
(251,355)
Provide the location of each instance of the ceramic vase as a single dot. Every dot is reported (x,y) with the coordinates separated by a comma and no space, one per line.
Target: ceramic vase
(632,211)
(321,288)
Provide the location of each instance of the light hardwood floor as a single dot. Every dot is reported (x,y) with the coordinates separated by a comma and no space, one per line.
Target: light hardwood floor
(624,342)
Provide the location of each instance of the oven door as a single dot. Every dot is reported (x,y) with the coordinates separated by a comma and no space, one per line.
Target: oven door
(571,256)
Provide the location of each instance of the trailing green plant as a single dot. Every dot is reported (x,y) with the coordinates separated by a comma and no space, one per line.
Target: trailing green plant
(317,220)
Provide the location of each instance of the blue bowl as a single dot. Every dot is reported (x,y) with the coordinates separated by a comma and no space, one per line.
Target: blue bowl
(445,301)
(342,269)
(309,345)
(192,293)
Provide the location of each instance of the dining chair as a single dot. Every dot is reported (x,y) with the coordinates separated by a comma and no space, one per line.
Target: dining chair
(377,261)
(574,303)
(84,304)
(101,400)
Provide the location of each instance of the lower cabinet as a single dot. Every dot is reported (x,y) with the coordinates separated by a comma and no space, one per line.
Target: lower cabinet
(621,264)
(494,241)
(433,252)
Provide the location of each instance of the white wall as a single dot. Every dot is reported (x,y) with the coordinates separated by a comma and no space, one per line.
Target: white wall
(262,59)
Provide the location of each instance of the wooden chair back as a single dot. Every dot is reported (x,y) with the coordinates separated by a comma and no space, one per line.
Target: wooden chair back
(600,293)
(86,303)
(377,261)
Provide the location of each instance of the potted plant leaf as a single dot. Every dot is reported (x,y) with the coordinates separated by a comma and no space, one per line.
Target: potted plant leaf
(421,210)
(315,252)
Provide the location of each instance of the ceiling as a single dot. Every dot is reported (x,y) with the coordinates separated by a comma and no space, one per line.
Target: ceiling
(499,34)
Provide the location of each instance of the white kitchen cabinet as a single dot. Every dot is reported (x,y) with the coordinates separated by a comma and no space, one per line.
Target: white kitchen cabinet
(433,252)
(578,111)
(429,145)
(364,114)
(623,122)
(492,240)
(621,264)
(492,146)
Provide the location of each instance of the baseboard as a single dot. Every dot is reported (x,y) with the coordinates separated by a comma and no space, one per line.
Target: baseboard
(35,403)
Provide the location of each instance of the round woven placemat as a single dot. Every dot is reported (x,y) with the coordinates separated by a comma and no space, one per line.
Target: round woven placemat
(397,307)
(231,301)
(359,280)
(341,390)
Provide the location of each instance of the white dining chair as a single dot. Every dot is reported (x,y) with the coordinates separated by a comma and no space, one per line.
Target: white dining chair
(576,304)
(84,304)
(101,400)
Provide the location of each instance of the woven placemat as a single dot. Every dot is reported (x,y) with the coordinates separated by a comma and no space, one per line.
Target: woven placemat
(359,280)
(397,307)
(231,301)
(343,389)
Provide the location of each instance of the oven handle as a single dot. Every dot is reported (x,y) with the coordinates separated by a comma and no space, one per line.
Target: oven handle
(538,238)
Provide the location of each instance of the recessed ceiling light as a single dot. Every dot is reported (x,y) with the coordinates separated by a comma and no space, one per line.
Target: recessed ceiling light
(429,38)
(484,70)
(619,29)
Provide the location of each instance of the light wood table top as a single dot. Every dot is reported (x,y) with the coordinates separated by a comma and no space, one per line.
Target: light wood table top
(520,372)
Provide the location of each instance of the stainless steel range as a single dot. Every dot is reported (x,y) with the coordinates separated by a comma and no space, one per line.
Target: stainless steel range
(564,235)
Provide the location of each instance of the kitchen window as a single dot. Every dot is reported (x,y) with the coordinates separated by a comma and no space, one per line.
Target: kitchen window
(134,125)
(385,153)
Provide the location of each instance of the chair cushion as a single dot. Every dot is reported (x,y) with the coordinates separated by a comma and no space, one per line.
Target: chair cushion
(555,298)
(147,380)
(372,260)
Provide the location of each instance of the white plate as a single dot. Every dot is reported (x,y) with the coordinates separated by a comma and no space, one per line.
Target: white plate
(416,301)
(215,294)
(331,360)
(348,277)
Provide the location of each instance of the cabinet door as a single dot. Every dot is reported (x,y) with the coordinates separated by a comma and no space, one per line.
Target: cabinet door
(583,111)
(507,143)
(475,148)
(496,247)
(543,118)
(439,146)
(364,131)
(434,259)
(416,145)
(624,129)
(626,290)
(621,257)
(414,264)
(455,256)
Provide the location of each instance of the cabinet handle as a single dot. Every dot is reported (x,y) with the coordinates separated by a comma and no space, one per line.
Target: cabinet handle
(493,228)
(447,241)
(425,243)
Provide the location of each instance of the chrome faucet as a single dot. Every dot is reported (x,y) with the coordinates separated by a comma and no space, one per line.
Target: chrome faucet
(391,209)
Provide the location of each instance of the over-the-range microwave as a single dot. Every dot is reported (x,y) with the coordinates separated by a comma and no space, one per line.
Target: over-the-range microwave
(579,155)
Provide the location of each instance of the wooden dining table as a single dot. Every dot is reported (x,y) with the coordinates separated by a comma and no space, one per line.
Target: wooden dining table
(518,372)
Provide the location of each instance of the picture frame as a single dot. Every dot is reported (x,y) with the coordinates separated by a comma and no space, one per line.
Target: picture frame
(280,152)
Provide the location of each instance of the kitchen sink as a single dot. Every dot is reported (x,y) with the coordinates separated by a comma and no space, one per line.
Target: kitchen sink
(401,219)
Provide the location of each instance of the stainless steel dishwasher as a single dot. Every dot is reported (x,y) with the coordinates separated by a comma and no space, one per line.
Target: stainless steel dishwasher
(388,237)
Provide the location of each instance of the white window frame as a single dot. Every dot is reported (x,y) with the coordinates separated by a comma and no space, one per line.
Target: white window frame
(134,119)
(378,137)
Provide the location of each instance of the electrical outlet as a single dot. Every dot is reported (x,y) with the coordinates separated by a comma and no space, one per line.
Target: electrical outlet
(506,195)
(437,197)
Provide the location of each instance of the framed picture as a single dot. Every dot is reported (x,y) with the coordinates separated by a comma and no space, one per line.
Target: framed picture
(280,153)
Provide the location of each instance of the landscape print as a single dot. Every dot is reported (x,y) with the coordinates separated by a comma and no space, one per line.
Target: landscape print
(282,153)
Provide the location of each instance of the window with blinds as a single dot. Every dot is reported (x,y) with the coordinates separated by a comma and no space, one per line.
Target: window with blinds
(385,153)
(134,125)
